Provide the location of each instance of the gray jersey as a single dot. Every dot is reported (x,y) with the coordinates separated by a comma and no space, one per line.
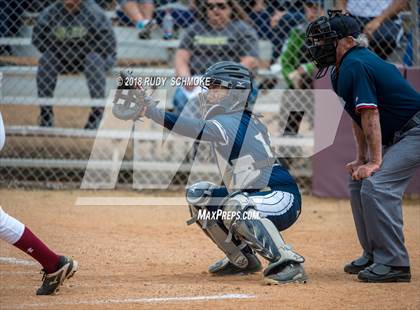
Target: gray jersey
(208,46)
(241,144)
(247,143)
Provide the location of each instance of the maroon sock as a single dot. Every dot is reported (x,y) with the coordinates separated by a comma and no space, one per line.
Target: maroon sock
(31,245)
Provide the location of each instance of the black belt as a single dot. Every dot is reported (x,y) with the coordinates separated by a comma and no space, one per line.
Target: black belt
(413,122)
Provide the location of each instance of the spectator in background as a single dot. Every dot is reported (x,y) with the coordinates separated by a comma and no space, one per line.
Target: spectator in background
(137,13)
(73,36)
(144,14)
(12,17)
(409,54)
(183,15)
(287,15)
(105,4)
(273,20)
(11,12)
(379,21)
(296,67)
(260,14)
(297,70)
(218,34)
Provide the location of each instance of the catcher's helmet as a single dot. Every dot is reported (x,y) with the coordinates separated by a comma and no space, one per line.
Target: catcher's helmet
(323,34)
(232,76)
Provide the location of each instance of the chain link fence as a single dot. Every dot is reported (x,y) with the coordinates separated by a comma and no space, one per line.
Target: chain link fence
(59,60)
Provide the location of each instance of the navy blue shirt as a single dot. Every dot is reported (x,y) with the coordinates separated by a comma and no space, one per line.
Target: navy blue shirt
(365,81)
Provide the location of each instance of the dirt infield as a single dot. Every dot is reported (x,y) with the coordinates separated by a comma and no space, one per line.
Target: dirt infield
(147,257)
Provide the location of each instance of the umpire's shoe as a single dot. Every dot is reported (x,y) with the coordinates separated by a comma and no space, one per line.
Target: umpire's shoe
(290,272)
(357,265)
(51,282)
(379,273)
(224,267)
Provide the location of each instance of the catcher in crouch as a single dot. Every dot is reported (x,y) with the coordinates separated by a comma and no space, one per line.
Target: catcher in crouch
(260,195)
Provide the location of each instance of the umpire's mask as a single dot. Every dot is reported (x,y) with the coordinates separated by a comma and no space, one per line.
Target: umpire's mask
(322,37)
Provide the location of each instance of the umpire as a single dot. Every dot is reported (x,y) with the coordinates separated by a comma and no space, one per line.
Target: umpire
(386,125)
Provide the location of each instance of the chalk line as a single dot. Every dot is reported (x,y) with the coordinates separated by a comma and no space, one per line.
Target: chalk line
(16,261)
(130,201)
(134,300)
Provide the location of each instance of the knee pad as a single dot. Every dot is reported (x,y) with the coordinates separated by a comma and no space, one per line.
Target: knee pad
(258,232)
(198,197)
(199,194)
(238,205)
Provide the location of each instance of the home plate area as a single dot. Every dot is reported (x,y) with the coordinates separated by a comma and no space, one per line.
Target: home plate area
(146,257)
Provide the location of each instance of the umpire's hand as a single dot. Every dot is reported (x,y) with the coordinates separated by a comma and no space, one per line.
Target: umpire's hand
(359,170)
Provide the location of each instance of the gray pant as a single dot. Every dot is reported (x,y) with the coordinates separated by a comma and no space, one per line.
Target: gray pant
(376,202)
(52,64)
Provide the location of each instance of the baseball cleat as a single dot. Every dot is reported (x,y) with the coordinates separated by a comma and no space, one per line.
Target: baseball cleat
(357,265)
(291,273)
(51,282)
(378,273)
(224,267)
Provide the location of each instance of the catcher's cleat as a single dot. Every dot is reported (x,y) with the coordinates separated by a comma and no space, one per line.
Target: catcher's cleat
(292,272)
(224,267)
(51,282)
(357,265)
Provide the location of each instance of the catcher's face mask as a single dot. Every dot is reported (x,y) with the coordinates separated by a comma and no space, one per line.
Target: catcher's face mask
(217,98)
(210,97)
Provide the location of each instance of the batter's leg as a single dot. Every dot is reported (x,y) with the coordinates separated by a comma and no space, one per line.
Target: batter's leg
(56,268)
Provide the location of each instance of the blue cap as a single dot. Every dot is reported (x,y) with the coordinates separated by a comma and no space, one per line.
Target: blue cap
(345,25)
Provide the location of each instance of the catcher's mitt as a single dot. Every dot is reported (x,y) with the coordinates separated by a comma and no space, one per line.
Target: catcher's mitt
(130,98)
